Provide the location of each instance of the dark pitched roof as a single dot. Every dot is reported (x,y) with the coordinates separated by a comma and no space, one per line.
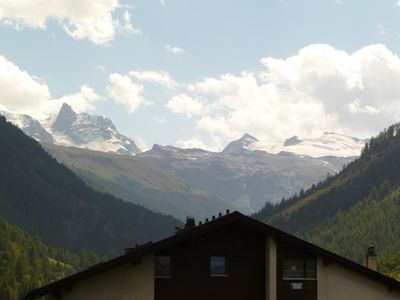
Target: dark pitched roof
(235,217)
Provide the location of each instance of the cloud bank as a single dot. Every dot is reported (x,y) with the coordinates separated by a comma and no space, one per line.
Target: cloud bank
(318,89)
(125,92)
(81,19)
(25,93)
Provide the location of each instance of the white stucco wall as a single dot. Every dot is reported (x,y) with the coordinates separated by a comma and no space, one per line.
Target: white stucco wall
(126,282)
(336,282)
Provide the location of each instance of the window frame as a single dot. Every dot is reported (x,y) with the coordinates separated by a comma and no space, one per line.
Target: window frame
(155,266)
(226,274)
(305,269)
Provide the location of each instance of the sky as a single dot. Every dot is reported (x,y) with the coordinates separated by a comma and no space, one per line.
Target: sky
(202,73)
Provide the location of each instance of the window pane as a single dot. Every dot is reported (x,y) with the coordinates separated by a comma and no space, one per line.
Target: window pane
(310,269)
(293,269)
(163,266)
(218,264)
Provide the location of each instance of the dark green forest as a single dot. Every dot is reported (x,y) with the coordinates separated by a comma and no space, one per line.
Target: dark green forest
(47,200)
(357,207)
(26,262)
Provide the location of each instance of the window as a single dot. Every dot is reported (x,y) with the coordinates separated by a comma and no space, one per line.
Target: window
(218,265)
(299,268)
(162,266)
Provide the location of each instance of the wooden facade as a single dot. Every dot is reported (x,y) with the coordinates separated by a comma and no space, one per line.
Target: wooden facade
(190,267)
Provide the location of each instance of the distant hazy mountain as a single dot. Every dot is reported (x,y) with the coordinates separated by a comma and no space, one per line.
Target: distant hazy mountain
(244,178)
(327,144)
(245,175)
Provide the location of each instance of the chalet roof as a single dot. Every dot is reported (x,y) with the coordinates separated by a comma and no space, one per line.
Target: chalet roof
(135,253)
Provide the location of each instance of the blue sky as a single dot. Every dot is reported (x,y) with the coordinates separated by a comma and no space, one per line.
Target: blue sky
(219,69)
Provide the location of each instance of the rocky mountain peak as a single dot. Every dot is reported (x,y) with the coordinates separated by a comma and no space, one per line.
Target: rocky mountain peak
(240,144)
(64,119)
(294,140)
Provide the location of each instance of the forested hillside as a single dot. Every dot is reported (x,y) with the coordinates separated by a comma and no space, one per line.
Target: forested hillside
(48,200)
(357,207)
(26,262)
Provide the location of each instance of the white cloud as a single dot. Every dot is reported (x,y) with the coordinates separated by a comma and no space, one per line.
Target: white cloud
(124,91)
(194,143)
(174,50)
(20,90)
(141,144)
(127,26)
(81,19)
(184,104)
(162,2)
(381,29)
(318,89)
(356,107)
(83,101)
(160,120)
(219,125)
(160,77)
(25,93)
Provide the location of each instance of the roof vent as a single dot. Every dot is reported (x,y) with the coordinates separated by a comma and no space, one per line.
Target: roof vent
(190,222)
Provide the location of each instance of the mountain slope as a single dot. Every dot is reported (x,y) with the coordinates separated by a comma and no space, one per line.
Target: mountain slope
(139,182)
(243,178)
(27,263)
(46,199)
(373,220)
(358,206)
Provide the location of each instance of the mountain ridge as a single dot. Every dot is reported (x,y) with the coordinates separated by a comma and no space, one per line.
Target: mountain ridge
(357,206)
(47,199)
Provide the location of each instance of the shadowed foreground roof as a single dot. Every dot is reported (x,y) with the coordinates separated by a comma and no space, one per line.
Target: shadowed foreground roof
(184,235)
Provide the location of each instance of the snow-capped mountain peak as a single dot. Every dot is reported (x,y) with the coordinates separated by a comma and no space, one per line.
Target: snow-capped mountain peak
(327,144)
(27,124)
(89,131)
(69,128)
(64,118)
(241,144)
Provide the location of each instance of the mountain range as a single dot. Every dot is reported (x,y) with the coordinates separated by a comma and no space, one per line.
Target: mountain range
(244,176)
(327,144)
(246,179)
(98,133)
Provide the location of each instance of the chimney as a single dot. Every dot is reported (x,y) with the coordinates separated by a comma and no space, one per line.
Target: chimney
(371,258)
(190,223)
